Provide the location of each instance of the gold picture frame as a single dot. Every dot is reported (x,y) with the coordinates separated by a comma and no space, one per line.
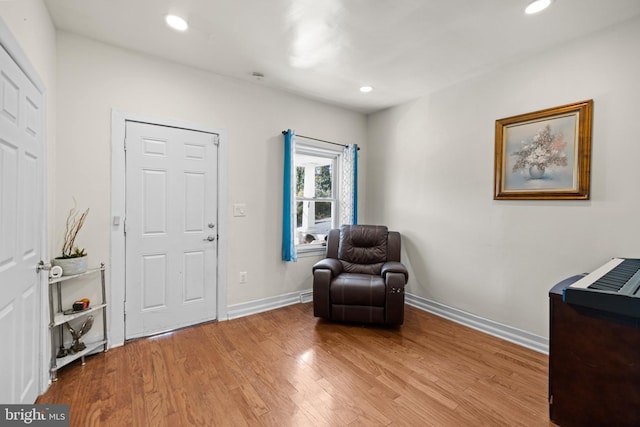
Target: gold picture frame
(544,155)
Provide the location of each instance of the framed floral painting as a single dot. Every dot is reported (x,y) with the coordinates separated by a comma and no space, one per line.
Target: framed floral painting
(544,155)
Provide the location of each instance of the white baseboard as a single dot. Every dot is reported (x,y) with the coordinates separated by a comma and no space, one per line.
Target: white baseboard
(505,332)
(266,304)
(306,296)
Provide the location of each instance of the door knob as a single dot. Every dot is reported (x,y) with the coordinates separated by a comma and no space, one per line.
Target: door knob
(210,238)
(43,266)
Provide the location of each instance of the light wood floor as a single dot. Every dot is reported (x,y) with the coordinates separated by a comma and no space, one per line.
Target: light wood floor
(287,368)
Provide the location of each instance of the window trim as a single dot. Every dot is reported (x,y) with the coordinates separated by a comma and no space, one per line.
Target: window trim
(327,151)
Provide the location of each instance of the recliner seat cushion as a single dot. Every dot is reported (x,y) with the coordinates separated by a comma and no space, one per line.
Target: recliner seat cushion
(358,289)
(363,249)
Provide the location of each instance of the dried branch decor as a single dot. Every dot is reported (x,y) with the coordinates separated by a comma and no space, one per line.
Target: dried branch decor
(75,221)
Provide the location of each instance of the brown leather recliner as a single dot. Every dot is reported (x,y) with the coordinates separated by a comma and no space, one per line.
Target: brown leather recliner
(361,279)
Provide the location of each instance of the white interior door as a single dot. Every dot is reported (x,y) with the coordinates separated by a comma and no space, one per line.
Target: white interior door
(171,228)
(21,219)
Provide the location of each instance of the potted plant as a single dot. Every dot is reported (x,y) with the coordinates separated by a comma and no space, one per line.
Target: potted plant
(73,259)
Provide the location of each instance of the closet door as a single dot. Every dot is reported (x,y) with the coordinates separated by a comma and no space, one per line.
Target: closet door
(21,219)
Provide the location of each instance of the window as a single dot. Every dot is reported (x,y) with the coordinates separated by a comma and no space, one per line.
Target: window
(320,192)
(317,194)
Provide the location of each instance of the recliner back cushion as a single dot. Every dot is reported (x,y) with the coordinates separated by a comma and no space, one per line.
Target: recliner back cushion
(363,248)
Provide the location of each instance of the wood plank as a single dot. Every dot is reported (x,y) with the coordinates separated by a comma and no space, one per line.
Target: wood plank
(285,367)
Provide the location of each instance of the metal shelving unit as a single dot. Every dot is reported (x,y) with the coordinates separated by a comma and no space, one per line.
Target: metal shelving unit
(58,319)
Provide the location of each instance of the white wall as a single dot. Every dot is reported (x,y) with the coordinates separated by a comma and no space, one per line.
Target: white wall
(94,78)
(431,177)
(427,165)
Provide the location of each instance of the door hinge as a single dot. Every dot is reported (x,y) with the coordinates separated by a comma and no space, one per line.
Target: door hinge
(124,226)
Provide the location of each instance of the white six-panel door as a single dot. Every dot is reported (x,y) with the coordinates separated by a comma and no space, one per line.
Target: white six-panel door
(171,228)
(21,219)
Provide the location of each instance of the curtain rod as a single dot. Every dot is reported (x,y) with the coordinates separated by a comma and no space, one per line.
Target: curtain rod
(321,140)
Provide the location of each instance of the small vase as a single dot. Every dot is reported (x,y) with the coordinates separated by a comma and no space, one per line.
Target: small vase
(536,171)
(71,266)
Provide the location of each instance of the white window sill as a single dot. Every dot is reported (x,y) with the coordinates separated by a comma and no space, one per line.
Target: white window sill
(304,252)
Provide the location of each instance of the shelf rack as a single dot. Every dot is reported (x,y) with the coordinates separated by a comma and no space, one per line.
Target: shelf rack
(57,320)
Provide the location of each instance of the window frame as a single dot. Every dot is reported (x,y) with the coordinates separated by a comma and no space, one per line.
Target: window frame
(333,153)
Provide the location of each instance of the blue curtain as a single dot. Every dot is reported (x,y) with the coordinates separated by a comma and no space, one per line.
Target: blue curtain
(289,199)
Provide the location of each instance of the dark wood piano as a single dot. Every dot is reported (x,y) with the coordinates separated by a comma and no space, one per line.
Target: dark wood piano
(594,354)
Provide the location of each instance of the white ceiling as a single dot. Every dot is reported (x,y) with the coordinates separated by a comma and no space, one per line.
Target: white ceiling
(327,49)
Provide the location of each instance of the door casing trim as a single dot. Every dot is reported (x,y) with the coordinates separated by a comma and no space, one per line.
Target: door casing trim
(116,268)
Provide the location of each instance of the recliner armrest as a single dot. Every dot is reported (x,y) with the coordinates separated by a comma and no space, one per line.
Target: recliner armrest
(329,264)
(394,267)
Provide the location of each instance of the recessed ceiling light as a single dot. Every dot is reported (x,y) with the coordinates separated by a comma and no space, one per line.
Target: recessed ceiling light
(176,22)
(366,89)
(537,6)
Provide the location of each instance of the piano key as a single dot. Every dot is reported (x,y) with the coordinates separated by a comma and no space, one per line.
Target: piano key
(597,274)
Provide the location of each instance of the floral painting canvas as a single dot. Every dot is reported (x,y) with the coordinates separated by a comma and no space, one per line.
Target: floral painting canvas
(541,155)
(545,154)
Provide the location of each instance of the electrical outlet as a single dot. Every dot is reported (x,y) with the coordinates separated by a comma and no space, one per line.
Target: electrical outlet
(243,277)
